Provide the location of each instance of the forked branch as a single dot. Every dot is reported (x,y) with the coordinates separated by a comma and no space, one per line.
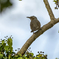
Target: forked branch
(43,29)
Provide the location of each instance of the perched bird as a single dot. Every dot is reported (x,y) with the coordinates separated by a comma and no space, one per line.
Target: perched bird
(34,24)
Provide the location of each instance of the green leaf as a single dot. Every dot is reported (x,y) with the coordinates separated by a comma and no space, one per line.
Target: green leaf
(3,42)
(20,58)
(1,55)
(20,0)
(6,48)
(58,31)
(9,42)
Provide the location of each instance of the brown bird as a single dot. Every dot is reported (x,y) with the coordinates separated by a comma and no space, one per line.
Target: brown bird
(34,24)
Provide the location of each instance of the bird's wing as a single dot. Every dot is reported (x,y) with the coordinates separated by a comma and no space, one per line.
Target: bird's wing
(38,24)
(33,28)
(31,25)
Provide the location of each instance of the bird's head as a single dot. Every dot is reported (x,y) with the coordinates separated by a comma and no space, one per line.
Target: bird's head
(32,17)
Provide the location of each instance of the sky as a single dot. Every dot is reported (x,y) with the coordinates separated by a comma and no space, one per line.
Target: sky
(13,22)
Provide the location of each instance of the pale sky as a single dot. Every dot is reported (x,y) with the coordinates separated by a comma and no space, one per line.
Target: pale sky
(13,22)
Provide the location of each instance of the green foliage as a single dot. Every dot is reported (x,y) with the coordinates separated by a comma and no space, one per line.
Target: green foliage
(20,0)
(57,3)
(58,31)
(30,55)
(6,51)
(4,4)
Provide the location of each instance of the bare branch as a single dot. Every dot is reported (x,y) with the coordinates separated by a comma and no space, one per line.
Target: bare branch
(49,10)
(34,36)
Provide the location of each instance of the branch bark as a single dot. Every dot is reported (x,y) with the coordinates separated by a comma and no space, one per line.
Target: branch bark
(43,29)
(49,9)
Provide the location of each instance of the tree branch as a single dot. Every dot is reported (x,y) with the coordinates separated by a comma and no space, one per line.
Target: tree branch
(49,10)
(37,34)
(43,29)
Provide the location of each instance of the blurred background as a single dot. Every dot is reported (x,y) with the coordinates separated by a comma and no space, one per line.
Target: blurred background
(13,22)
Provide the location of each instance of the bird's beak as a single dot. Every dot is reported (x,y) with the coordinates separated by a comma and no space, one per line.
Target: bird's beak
(28,17)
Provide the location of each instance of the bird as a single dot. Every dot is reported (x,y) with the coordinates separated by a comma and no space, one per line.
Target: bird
(34,24)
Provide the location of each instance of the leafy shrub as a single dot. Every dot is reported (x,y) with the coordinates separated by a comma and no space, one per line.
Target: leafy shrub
(6,51)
